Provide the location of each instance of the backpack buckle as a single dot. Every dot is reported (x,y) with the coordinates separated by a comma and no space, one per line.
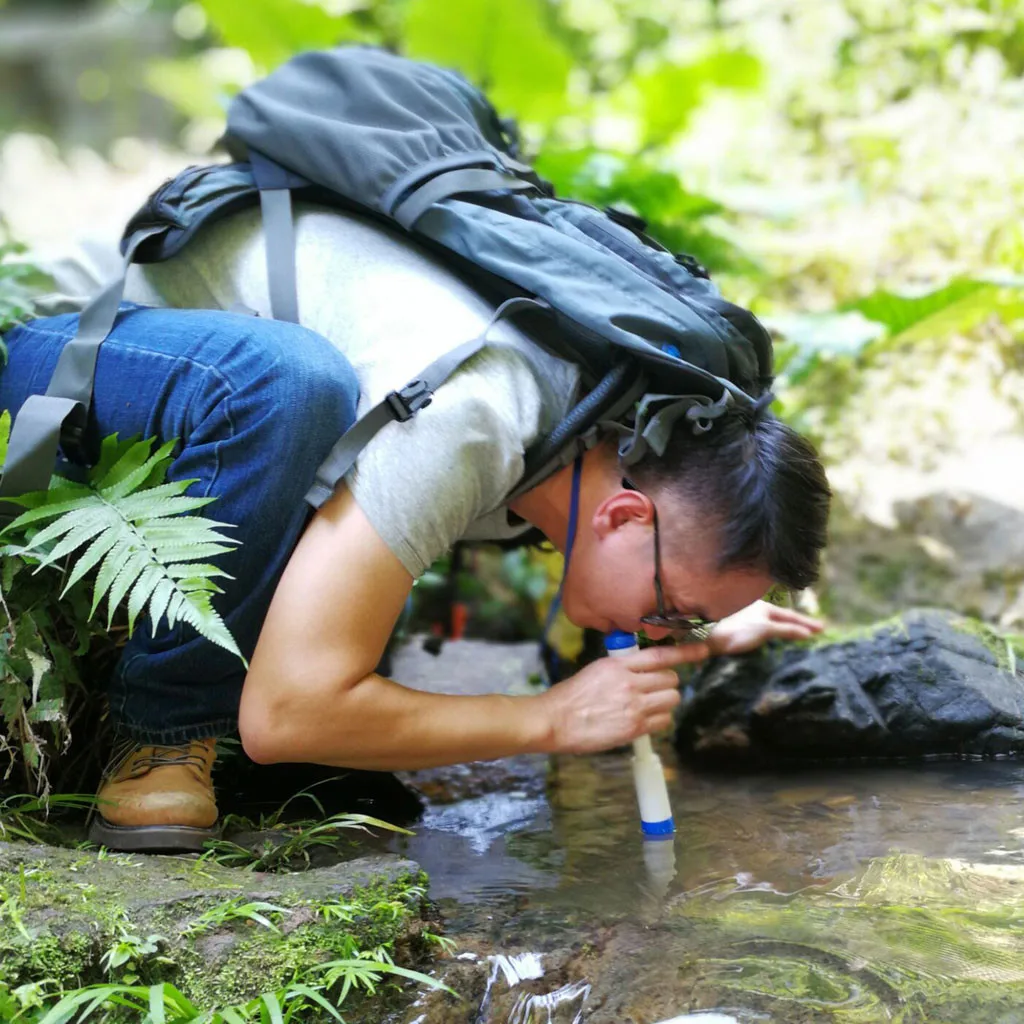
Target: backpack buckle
(406,403)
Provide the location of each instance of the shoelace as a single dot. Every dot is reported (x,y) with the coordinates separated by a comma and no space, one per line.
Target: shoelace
(163,754)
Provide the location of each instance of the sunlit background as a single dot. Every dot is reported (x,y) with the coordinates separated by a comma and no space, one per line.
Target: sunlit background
(850,169)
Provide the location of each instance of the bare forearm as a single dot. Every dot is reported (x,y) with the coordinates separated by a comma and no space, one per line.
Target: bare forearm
(379,725)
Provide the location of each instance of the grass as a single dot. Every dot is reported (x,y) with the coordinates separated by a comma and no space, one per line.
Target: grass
(292,841)
(306,999)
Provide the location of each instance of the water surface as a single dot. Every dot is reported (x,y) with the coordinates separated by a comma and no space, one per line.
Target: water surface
(827,894)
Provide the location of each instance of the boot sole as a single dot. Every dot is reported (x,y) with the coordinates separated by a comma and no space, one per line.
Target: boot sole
(151,838)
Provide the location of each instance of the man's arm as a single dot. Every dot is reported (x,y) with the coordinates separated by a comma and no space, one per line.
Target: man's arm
(312,695)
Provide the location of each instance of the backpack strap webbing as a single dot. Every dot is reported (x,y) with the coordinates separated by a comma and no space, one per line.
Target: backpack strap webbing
(453,183)
(275,185)
(59,418)
(399,406)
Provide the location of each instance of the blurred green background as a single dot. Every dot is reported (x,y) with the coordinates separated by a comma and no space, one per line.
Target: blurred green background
(849,169)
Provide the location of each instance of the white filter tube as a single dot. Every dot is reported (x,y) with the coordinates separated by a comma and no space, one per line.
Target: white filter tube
(648,774)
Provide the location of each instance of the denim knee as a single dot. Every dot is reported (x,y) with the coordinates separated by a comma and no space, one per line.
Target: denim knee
(313,386)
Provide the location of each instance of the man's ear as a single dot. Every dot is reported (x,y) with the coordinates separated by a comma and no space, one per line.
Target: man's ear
(621,508)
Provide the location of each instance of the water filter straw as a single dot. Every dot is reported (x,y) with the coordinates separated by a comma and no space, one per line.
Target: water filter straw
(648,774)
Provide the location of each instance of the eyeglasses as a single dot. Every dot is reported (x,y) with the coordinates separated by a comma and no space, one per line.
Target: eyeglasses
(684,628)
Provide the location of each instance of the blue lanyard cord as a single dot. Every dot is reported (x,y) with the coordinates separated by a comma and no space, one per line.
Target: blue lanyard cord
(574,509)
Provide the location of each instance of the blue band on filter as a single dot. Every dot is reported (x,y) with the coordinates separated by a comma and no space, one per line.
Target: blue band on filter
(658,828)
(619,641)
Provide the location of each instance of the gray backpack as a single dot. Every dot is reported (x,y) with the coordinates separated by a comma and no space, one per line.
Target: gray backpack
(417,146)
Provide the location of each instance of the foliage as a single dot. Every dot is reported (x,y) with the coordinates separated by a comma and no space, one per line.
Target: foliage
(20,281)
(125,521)
(304,1000)
(236,910)
(291,842)
(130,516)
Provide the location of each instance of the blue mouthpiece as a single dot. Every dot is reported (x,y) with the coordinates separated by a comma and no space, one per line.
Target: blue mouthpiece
(619,641)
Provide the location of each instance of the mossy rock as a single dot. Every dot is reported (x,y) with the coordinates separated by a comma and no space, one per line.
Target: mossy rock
(62,910)
(926,682)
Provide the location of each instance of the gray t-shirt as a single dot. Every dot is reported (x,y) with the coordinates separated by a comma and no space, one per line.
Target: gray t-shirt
(393,308)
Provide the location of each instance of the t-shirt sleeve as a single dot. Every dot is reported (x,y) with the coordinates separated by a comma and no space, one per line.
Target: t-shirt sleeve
(423,482)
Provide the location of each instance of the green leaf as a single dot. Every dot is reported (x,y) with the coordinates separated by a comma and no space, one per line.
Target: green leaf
(91,556)
(505,47)
(5,434)
(671,94)
(270,1001)
(954,308)
(131,471)
(157,1011)
(271,31)
(309,992)
(146,550)
(188,85)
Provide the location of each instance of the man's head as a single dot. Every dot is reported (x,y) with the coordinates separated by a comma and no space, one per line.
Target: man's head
(740,508)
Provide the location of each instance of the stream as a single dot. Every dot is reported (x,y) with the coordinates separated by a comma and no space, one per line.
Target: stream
(847,894)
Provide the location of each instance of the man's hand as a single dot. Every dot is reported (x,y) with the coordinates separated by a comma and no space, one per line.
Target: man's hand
(614,700)
(750,627)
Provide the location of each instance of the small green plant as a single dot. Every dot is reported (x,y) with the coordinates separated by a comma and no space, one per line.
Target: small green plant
(124,530)
(20,282)
(23,816)
(130,517)
(128,955)
(366,972)
(447,946)
(236,910)
(320,990)
(292,842)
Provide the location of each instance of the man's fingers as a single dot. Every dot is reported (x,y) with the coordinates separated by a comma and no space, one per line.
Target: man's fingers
(662,679)
(793,631)
(778,614)
(652,658)
(661,703)
(659,723)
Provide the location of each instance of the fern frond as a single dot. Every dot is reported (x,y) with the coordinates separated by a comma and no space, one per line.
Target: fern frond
(93,553)
(148,552)
(132,470)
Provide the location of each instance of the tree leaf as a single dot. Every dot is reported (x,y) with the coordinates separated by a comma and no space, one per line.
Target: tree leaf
(271,31)
(505,47)
(954,308)
(669,95)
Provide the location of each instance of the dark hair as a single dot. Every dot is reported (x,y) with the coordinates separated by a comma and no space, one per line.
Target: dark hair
(763,485)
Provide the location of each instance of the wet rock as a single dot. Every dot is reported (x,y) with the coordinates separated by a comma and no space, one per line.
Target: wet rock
(64,909)
(928,683)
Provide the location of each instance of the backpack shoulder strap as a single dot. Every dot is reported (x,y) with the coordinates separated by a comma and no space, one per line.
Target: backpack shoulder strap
(399,406)
(58,419)
(275,185)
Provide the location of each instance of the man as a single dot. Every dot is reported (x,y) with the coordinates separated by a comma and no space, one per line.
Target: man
(698,535)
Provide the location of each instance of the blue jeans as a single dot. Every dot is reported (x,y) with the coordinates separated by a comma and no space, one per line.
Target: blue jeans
(256,406)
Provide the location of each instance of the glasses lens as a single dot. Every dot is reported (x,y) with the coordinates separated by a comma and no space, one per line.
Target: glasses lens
(683,630)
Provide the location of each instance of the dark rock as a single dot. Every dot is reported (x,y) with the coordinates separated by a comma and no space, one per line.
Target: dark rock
(928,683)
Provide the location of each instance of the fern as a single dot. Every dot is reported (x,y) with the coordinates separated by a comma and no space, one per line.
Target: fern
(126,521)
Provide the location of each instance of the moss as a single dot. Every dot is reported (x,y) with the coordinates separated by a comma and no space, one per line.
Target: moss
(851,634)
(1006,648)
(71,924)
(263,960)
(71,959)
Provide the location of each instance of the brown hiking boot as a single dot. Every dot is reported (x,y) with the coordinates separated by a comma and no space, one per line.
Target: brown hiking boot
(158,797)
